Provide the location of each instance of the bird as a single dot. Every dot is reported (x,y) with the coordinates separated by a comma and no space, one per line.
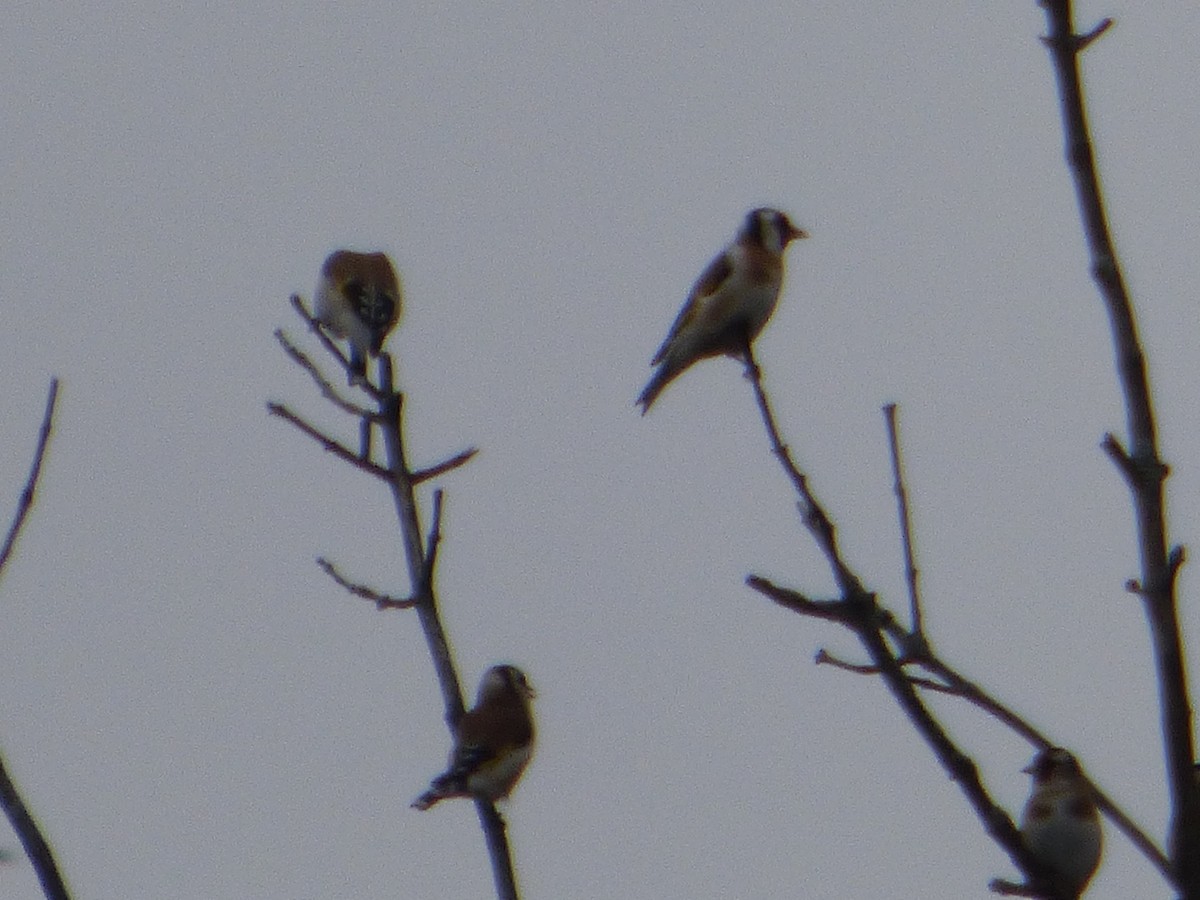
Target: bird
(493,742)
(358,298)
(1060,824)
(730,302)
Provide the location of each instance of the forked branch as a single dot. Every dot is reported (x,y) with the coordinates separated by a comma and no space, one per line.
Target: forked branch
(873,624)
(420,552)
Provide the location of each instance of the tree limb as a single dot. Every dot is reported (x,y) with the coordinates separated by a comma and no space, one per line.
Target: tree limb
(1144,470)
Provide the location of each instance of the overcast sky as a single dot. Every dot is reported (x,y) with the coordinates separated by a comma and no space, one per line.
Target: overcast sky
(194,710)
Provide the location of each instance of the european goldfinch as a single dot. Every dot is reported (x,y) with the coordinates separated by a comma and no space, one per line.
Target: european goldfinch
(731,301)
(493,741)
(358,298)
(1061,825)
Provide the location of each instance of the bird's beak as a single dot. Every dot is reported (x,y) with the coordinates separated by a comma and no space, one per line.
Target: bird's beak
(795,234)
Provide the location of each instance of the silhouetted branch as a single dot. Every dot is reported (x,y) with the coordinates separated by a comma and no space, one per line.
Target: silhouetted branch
(381,601)
(22,821)
(27,493)
(861,613)
(420,557)
(30,835)
(420,553)
(812,514)
(330,444)
(344,361)
(956,685)
(910,562)
(328,391)
(459,459)
(1143,468)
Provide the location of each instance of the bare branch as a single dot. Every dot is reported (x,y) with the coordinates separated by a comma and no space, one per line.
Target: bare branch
(36,848)
(826,658)
(1085,39)
(27,493)
(331,445)
(859,610)
(30,835)
(870,621)
(420,557)
(812,514)
(1142,465)
(431,545)
(834,610)
(956,685)
(344,361)
(449,465)
(910,563)
(948,681)
(381,601)
(328,391)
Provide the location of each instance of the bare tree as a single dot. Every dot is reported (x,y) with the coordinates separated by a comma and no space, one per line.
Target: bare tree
(903,655)
(420,549)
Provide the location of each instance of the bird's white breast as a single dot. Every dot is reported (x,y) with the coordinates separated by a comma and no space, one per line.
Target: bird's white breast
(497,778)
(1069,844)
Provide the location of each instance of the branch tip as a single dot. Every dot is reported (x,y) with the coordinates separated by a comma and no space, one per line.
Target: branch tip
(1082,41)
(381,601)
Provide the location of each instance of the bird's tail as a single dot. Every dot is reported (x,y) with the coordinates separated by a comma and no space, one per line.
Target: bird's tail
(358,366)
(442,788)
(659,380)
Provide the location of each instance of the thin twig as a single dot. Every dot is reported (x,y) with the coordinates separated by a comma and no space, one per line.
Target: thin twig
(381,600)
(27,493)
(834,610)
(330,444)
(910,563)
(328,391)
(811,512)
(432,543)
(22,821)
(449,465)
(344,361)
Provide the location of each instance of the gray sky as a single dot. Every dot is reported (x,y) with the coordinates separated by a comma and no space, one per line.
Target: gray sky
(194,710)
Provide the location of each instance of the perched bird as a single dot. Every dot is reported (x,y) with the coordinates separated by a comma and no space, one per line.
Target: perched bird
(1061,825)
(493,741)
(358,298)
(731,301)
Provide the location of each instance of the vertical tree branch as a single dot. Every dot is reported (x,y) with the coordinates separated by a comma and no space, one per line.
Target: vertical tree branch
(391,423)
(421,574)
(1142,467)
(910,563)
(419,553)
(36,847)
